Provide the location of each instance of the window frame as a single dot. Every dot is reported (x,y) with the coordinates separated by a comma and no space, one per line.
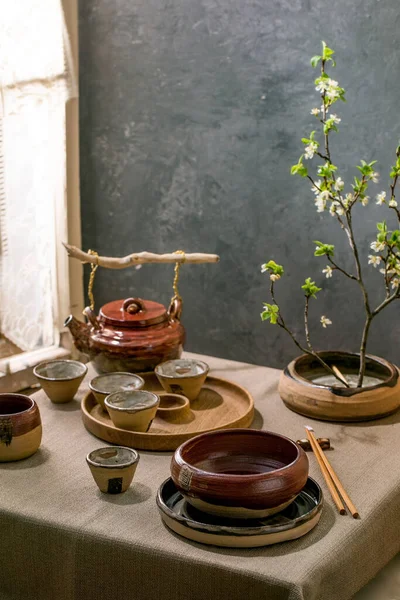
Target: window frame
(16,372)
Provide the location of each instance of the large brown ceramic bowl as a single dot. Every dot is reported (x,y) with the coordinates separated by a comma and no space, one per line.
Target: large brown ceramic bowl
(240,473)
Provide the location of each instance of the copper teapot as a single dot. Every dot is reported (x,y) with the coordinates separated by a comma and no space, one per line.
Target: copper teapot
(131,335)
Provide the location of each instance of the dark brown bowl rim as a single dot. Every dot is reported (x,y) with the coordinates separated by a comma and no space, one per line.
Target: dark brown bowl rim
(237,478)
(392,376)
(20,412)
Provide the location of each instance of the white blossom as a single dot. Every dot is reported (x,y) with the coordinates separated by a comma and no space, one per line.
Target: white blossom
(316,187)
(377,246)
(374,260)
(315,111)
(332,83)
(332,92)
(336,208)
(328,271)
(392,203)
(274,277)
(381,198)
(321,199)
(349,198)
(375,177)
(335,118)
(320,203)
(325,321)
(383,271)
(310,150)
(365,200)
(339,184)
(322,85)
(395,282)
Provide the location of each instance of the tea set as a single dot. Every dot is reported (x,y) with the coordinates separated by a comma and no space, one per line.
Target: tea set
(229,487)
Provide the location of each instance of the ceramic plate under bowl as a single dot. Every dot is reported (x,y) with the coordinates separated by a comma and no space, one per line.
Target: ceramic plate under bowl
(295,521)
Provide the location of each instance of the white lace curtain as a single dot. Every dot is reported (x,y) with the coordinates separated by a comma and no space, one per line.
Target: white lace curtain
(36,80)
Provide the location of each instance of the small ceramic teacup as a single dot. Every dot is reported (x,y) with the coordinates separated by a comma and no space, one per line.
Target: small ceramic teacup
(113,468)
(182,376)
(60,379)
(132,410)
(104,385)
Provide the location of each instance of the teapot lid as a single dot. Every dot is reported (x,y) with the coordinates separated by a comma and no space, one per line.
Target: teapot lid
(132,312)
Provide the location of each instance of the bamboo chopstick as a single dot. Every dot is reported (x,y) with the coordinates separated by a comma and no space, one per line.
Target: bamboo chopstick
(320,456)
(336,498)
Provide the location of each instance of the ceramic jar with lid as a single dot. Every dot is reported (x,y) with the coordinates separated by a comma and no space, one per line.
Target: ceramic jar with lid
(131,335)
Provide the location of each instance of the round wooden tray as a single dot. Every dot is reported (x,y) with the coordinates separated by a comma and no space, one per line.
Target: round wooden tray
(221,404)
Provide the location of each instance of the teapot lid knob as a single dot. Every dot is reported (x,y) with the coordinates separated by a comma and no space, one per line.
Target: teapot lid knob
(133,305)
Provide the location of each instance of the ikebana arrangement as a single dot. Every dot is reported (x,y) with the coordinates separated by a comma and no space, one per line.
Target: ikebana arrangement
(332,376)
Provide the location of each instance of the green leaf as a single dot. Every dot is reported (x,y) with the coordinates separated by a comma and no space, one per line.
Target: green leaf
(315,60)
(382,226)
(299,169)
(273,267)
(324,249)
(394,238)
(326,52)
(271,313)
(310,288)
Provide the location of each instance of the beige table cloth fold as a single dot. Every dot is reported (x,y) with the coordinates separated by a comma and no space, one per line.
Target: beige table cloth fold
(61,539)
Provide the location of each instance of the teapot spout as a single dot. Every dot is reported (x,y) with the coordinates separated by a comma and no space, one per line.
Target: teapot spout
(80,333)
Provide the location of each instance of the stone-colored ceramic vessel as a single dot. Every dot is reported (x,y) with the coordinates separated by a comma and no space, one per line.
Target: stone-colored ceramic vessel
(60,379)
(113,468)
(378,398)
(134,410)
(108,383)
(182,376)
(240,473)
(20,427)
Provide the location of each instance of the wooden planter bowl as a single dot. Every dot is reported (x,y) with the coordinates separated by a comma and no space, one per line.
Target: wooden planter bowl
(241,473)
(301,395)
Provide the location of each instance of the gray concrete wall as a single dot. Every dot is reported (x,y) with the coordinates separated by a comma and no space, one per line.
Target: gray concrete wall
(191,116)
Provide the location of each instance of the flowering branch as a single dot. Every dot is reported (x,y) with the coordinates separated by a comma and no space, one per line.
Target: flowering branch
(273,313)
(329,194)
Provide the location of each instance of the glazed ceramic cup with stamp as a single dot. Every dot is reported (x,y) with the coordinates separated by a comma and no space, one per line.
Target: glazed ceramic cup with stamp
(240,473)
(108,383)
(133,410)
(113,468)
(20,427)
(182,376)
(60,379)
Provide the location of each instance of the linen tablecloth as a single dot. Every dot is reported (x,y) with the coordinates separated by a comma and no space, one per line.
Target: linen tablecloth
(61,539)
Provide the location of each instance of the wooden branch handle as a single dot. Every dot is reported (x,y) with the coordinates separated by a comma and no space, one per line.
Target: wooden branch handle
(138,258)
